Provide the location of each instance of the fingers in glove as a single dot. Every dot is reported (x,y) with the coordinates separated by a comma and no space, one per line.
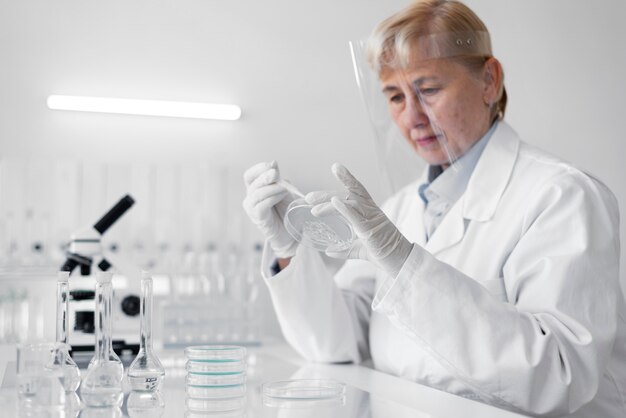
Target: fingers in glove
(349,181)
(317,197)
(349,210)
(321,202)
(290,187)
(265,178)
(323,209)
(327,208)
(356,251)
(265,198)
(256,170)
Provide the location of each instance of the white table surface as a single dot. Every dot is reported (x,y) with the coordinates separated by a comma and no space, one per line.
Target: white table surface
(369,393)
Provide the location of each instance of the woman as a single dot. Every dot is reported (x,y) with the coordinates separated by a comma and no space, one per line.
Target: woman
(494,276)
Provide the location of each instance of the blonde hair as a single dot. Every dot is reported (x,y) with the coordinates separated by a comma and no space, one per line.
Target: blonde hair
(392,40)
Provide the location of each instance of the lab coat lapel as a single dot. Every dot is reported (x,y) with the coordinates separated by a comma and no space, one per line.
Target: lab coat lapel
(491,175)
(415,224)
(484,190)
(408,211)
(449,232)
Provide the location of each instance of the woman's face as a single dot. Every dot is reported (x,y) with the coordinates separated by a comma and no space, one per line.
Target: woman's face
(451,108)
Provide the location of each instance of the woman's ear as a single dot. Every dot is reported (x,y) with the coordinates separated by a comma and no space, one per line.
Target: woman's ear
(492,77)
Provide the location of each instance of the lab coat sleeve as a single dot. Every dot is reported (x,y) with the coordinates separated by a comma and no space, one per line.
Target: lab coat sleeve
(319,319)
(544,350)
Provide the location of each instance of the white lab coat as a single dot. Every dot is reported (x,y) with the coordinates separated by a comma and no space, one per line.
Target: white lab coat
(513,301)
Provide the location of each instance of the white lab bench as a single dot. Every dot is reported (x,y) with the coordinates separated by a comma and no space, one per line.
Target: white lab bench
(369,393)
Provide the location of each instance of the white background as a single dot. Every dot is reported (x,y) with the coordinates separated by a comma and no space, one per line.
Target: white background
(287,64)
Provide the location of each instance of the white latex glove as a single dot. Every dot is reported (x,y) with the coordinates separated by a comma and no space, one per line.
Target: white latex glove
(265,203)
(379,241)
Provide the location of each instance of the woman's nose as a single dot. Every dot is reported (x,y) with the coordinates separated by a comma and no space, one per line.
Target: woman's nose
(413,115)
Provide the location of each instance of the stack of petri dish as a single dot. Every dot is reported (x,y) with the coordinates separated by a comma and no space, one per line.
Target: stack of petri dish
(216,378)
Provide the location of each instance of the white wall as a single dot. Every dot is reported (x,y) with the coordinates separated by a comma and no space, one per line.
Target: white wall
(287,64)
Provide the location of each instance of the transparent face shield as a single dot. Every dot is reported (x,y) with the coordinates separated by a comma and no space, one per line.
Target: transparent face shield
(411,129)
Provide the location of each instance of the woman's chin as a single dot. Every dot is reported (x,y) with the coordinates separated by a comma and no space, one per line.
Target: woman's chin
(434,158)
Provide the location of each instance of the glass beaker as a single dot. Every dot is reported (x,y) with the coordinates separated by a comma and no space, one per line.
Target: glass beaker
(102,385)
(146,371)
(70,371)
(39,382)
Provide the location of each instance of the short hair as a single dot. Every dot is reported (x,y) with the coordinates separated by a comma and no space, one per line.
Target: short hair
(392,40)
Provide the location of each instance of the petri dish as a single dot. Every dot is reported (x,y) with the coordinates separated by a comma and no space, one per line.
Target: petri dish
(216,368)
(209,379)
(303,403)
(304,389)
(215,392)
(216,405)
(216,353)
(323,233)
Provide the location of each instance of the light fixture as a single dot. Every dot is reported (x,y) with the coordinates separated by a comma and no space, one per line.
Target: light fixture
(145,107)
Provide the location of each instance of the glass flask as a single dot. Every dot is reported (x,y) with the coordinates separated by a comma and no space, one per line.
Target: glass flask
(145,404)
(102,385)
(107,412)
(146,371)
(63,360)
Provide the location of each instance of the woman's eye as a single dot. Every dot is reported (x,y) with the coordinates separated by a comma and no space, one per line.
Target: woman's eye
(396,98)
(429,91)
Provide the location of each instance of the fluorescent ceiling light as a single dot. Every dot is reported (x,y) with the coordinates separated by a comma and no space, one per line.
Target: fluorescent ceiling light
(145,107)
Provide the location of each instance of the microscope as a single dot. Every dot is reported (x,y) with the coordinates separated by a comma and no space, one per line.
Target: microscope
(86,253)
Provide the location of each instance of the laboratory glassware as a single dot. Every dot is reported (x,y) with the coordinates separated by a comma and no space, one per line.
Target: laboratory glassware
(71,373)
(323,233)
(216,353)
(213,379)
(16,316)
(146,371)
(217,368)
(102,385)
(39,381)
(197,391)
(304,389)
(101,412)
(208,378)
(145,404)
(228,407)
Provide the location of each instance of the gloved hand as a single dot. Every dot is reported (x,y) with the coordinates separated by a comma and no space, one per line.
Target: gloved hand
(265,203)
(379,241)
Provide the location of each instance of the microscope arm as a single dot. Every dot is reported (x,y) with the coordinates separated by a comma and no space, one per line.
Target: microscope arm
(85,243)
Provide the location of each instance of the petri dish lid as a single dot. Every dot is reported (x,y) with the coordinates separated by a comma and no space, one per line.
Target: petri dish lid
(304,389)
(332,233)
(216,353)
(303,403)
(215,392)
(216,405)
(216,368)
(208,380)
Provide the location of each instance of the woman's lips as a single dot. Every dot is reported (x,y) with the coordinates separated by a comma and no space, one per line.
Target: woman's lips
(423,139)
(426,140)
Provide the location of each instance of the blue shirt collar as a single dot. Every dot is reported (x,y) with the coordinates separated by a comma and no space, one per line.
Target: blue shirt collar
(451,183)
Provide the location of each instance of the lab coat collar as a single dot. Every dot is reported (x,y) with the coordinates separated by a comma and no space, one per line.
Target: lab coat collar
(491,175)
(484,189)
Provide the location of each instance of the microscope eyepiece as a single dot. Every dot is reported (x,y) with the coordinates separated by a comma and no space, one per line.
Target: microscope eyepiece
(114,214)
